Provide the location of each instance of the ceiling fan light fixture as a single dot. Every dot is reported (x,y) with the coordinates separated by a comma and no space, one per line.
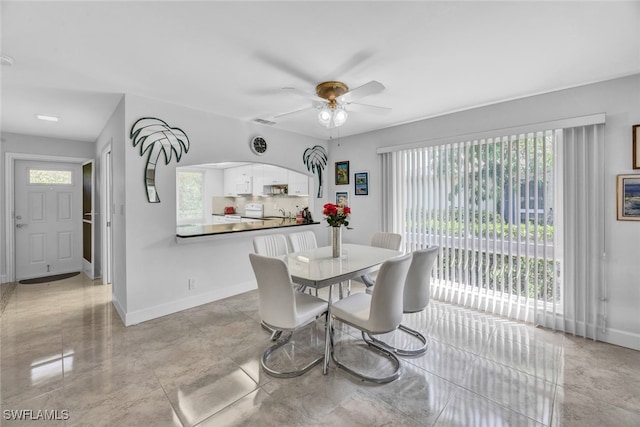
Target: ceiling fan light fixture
(339,117)
(325,116)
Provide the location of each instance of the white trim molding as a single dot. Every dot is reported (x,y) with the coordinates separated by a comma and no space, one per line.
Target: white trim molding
(9,193)
(139,316)
(515,130)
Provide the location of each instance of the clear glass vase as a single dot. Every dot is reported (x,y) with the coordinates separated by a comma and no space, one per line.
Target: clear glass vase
(336,241)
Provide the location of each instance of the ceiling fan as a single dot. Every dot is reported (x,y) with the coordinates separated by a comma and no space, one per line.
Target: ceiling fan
(332,98)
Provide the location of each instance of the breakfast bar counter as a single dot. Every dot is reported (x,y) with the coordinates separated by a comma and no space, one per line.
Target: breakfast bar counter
(190,231)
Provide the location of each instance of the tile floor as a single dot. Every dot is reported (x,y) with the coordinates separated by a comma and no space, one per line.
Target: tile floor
(64,349)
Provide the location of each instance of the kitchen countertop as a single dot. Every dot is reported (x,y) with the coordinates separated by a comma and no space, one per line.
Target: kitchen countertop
(186,231)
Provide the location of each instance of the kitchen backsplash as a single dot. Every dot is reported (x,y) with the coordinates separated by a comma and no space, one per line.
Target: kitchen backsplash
(272,204)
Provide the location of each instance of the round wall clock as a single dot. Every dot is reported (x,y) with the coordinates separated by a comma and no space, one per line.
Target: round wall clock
(258,145)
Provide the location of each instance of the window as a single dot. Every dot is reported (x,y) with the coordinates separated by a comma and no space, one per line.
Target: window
(519,219)
(50,177)
(489,205)
(190,195)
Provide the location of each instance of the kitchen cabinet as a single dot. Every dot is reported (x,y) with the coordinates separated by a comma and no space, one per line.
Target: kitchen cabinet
(261,180)
(298,183)
(244,179)
(238,180)
(274,175)
(258,179)
(230,177)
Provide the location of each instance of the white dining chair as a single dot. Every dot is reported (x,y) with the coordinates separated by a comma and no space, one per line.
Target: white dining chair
(379,239)
(378,313)
(386,240)
(283,309)
(271,245)
(416,296)
(303,241)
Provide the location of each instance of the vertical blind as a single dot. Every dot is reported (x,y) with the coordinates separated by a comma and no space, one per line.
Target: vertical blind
(583,233)
(496,207)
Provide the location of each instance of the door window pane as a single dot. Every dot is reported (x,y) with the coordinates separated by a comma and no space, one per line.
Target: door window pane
(50,177)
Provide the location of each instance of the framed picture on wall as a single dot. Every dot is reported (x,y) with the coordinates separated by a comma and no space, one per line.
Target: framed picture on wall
(342,198)
(342,173)
(629,197)
(361,183)
(636,146)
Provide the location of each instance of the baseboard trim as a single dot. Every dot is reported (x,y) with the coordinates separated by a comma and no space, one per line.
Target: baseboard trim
(6,290)
(621,338)
(139,316)
(121,312)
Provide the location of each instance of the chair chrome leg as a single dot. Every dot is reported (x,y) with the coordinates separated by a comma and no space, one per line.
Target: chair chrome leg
(288,374)
(275,333)
(400,351)
(390,356)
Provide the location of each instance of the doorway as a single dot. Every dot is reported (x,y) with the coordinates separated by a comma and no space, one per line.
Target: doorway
(88,221)
(47,218)
(11,221)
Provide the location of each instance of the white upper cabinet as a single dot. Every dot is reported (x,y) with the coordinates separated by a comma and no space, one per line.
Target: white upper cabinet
(298,184)
(230,177)
(257,178)
(244,179)
(238,180)
(273,175)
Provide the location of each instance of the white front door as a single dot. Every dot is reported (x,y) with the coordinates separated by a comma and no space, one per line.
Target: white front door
(48,218)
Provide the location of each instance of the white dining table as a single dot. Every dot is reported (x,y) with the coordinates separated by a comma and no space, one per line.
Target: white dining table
(318,269)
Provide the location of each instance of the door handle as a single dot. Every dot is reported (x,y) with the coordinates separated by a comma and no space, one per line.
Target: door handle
(21,225)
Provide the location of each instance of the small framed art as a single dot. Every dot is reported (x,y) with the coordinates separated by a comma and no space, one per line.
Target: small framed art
(342,198)
(342,173)
(629,197)
(636,146)
(361,183)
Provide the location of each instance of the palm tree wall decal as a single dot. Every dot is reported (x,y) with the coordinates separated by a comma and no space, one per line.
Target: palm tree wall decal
(316,159)
(156,137)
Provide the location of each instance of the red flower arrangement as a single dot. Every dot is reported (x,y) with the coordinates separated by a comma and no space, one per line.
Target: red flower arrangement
(336,215)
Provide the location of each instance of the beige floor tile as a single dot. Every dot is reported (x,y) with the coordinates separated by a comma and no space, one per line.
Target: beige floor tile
(256,409)
(206,388)
(575,409)
(516,390)
(64,347)
(469,409)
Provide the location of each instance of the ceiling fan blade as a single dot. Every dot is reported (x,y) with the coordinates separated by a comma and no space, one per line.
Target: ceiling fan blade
(293,112)
(361,91)
(303,94)
(286,66)
(355,106)
(355,61)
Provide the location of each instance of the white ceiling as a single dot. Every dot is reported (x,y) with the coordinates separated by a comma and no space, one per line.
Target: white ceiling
(75,59)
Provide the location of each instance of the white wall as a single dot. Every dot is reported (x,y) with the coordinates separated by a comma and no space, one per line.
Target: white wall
(158,268)
(113,134)
(29,144)
(619,99)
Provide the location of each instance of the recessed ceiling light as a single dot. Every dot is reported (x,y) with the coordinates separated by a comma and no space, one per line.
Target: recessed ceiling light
(47,118)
